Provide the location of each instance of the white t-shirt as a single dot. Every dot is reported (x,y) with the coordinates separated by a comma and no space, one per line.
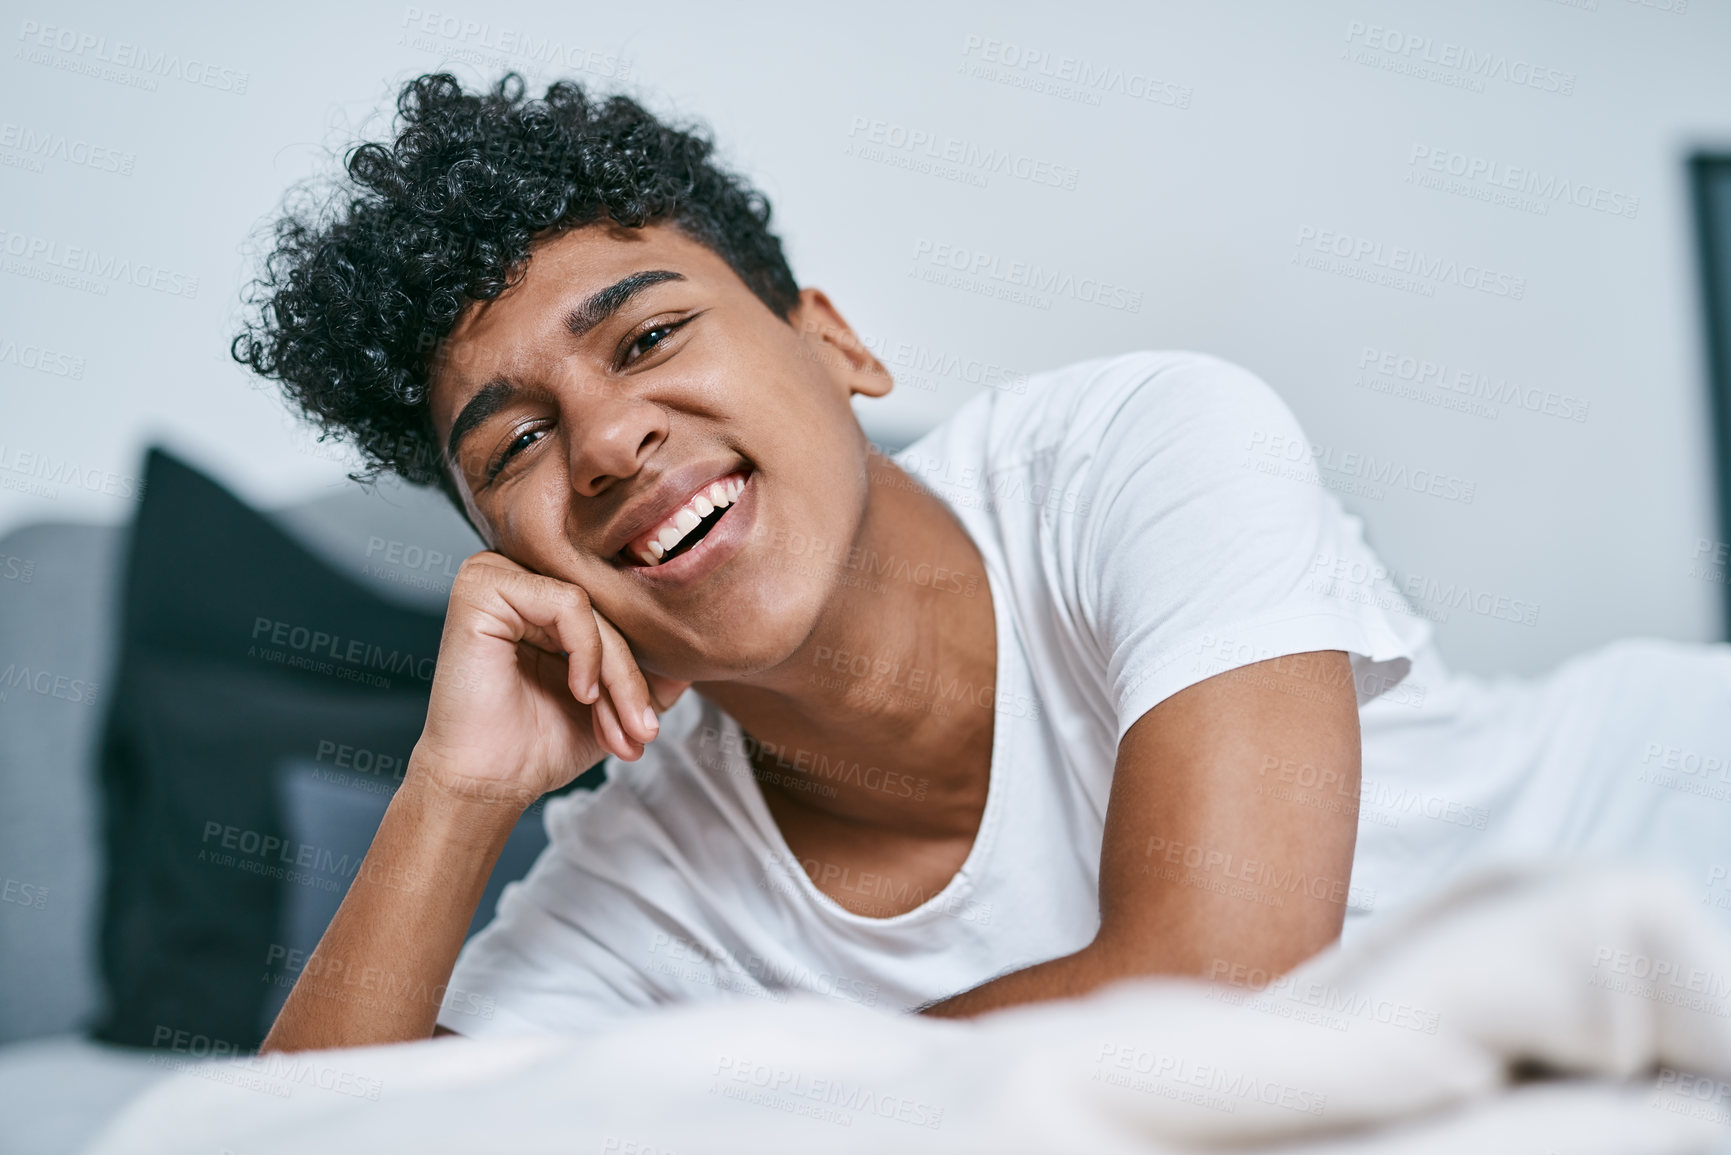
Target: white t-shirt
(1144,526)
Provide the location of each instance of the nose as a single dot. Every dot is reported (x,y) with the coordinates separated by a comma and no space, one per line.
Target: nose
(612,438)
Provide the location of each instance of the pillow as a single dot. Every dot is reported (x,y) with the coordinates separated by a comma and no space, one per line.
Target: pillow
(334,802)
(240,653)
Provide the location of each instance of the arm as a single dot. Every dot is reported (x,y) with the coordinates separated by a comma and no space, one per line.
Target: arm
(382,964)
(1213,852)
(529,690)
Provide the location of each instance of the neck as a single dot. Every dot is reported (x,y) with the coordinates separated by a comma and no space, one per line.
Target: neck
(877,719)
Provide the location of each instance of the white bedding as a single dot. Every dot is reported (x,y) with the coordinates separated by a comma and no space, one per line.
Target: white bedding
(1400,1042)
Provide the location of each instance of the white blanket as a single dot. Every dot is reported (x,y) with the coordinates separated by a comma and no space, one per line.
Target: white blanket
(1402,1042)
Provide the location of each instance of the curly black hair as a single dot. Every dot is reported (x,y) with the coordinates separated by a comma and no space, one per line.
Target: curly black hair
(360,289)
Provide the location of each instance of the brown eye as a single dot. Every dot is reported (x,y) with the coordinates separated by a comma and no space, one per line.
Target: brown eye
(519,443)
(659,333)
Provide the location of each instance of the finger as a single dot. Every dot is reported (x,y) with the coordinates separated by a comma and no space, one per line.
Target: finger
(555,616)
(625,685)
(606,726)
(663,692)
(611,737)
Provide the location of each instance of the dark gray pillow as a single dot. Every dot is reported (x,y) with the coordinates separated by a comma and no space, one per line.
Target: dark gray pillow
(240,652)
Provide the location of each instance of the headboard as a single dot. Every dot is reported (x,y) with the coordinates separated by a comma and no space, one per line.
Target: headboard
(1710,183)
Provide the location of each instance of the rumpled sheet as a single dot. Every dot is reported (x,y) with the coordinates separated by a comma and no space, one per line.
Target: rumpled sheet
(1567,1008)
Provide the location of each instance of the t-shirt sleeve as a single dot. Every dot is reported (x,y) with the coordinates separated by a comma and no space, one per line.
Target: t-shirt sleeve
(1202,529)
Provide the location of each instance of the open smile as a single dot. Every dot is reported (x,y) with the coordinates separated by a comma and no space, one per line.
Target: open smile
(687,525)
(710,526)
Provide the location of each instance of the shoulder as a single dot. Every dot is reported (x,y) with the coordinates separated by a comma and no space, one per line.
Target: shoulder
(1151,388)
(1177,419)
(1167,388)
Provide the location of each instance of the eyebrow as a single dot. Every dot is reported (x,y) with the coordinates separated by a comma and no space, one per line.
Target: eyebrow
(488,400)
(583,317)
(610,300)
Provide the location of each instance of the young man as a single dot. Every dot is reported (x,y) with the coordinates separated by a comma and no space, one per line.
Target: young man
(1064,693)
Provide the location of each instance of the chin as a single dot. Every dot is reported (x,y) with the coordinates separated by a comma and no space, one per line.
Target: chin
(764,632)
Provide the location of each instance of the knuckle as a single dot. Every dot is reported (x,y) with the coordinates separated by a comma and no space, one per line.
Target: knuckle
(478,570)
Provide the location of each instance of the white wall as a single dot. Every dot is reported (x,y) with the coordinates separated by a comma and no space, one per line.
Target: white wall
(1259,123)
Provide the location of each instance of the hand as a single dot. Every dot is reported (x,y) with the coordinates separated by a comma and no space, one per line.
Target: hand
(532,687)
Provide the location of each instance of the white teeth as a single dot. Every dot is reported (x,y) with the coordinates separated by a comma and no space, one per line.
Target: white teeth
(719,495)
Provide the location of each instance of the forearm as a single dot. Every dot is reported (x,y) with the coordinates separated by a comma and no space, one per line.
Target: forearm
(1061,978)
(1104,961)
(380,970)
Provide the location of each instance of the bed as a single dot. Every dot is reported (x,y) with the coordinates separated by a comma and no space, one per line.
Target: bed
(1571,1007)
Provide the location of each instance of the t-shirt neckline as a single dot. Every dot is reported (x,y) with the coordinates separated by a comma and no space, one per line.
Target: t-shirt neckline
(949,896)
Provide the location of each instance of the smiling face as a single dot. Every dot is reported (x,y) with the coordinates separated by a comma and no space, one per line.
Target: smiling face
(607,405)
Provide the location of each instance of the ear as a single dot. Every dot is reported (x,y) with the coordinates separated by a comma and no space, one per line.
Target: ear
(829,340)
